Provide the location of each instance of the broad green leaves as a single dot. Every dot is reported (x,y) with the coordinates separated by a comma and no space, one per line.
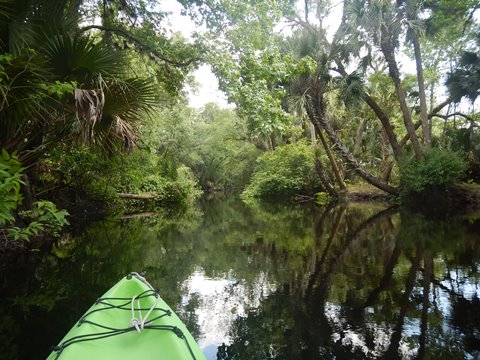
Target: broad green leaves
(44,216)
(10,182)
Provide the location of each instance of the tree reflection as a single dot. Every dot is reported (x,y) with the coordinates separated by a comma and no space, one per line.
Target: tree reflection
(378,286)
(346,282)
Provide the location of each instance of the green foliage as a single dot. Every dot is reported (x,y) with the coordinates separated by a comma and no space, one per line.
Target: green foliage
(95,176)
(10,182)
(286,171)
(225,157)
(465,139)
(61,82)
(212,142)
(81,169)
(439,167)
(183,189)
(59,89)
(47,214)
(322,198)
(464,81)
(43,218)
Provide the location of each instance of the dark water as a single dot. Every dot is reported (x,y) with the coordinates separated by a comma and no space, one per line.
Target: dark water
(357,282)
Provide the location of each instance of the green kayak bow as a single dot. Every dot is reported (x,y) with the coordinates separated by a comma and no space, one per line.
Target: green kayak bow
(130,321)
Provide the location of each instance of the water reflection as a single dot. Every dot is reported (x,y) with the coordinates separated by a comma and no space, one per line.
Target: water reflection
(356,282)
(222,301)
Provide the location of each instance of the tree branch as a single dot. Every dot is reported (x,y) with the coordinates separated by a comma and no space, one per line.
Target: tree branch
(140,44)
(306,25)
(433,113)
(440,106)
(445,117)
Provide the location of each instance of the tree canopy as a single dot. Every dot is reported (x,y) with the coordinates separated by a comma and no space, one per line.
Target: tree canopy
(365,90)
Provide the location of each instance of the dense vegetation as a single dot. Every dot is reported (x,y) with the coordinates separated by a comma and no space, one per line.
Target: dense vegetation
(92,106)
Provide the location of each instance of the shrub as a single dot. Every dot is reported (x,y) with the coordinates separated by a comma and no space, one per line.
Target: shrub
(438,168)
(10,182)
(183,189)
(287,171)
(44,218)
(98,177)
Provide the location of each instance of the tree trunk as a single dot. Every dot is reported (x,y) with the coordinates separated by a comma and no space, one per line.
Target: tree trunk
(106,22)
(384,119)
(434,111)
(28,192)
(320,121)
(358,138)
(313,136)
(333,162)
(387,171)
(389,53)
(306,5)
(137,196)
(326,183)
(427,138)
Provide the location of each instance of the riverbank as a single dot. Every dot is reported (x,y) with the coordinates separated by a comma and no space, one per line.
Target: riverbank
(460,198)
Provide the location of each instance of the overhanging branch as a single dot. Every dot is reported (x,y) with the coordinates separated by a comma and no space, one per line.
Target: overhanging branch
(140,44)
(445,117)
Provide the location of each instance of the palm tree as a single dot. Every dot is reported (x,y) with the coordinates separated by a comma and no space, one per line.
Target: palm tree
(380,23)
(412,9)
(59,84)
(308,43)
(464,81)
(312,89)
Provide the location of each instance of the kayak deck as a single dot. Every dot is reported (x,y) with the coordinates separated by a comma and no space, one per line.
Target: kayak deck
(129,321)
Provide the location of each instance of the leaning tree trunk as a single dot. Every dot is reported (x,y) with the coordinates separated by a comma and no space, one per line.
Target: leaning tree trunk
(387,126)
(389,53)
(434,111)
(325,181)
(320,121)
(331,158)
(381,115)
(333,162)
(427,136)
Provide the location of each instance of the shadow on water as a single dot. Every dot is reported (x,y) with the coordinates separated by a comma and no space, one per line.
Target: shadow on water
(276,282)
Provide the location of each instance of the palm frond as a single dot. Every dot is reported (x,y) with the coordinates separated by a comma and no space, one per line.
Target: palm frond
(461,83)
(22,100)
(470,60)
(352,89)
(89,108)
(126,103)
(25,20)
(6,9)
(465,80)
(81,59)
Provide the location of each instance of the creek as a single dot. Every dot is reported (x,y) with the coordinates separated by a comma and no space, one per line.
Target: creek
(266,282)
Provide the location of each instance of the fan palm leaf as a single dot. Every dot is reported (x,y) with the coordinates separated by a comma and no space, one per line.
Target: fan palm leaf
(124,105)
(23,21)
(80,59)
(46,49)
(23,102)
(89,107)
